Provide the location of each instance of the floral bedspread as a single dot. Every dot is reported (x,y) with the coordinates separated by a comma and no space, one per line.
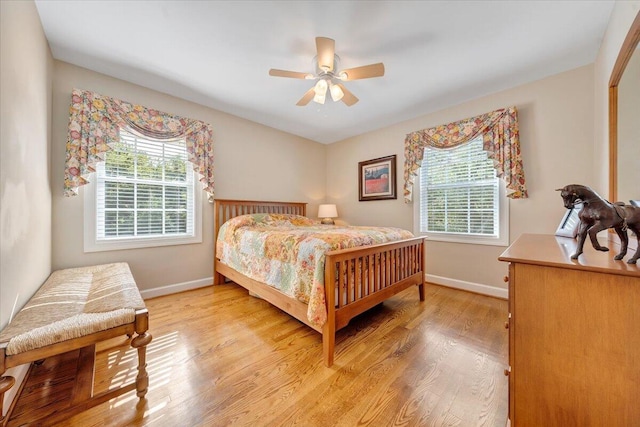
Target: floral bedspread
(287,252)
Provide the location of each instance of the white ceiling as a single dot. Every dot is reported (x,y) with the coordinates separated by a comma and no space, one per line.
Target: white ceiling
(218,53)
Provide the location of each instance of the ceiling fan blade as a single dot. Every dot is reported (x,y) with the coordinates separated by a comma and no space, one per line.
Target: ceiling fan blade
(306,98)
(364,72)
(326,50)
(291,74)
(348,97)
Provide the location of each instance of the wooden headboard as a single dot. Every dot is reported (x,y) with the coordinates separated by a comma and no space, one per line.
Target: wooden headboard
(224,210)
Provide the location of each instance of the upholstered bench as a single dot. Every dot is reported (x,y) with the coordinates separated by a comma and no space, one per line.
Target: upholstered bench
(75,309)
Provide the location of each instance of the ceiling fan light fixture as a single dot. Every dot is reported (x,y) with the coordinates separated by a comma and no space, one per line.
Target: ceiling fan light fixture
(329,76)
(320,98)
(336,92)
(321,91)
(321,87)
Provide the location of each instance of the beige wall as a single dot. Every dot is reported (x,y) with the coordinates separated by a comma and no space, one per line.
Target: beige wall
(252,161)
(25,194)
(556,134)
(25,203)
(629,132)
(623,14)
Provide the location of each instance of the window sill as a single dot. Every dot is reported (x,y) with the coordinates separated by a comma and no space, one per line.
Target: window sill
(465,239)
(150,242)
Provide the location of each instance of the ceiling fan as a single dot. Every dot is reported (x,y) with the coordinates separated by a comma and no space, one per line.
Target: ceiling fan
(327,76)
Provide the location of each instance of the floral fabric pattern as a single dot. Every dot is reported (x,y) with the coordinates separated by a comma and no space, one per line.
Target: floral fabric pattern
(501,141)
(288,252)
(94,123)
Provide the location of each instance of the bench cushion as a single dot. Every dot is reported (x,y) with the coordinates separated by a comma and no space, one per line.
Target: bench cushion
(72,303)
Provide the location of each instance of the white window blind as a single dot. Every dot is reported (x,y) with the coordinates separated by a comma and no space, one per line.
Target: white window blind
(459,192)
(144,191)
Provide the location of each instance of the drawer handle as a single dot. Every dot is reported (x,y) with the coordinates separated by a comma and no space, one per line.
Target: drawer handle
(507,371)
(506,279)
(506,324)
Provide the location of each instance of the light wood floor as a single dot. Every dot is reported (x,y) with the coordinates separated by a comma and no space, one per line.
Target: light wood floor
(221,357)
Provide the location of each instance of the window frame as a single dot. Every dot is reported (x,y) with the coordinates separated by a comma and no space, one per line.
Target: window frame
(93,244)
(503,220)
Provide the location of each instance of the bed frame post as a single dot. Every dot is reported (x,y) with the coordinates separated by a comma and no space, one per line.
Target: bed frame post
(218,279)
(329,328)
(421,263)
(329,341)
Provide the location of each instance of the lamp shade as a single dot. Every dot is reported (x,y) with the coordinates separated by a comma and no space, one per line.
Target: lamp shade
(321,91)
(321,87)
(320,98)
(327,211)
(336,92)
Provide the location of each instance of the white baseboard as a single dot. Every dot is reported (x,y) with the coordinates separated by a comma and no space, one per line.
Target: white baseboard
(468,286)
(477,288)
(175,288)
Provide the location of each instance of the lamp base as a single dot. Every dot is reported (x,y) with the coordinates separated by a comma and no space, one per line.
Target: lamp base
(327,221)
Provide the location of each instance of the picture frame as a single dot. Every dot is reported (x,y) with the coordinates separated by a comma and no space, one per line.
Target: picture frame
(568,226)
(377,179)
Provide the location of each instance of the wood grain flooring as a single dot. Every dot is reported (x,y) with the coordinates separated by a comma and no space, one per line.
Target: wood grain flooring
(220,357)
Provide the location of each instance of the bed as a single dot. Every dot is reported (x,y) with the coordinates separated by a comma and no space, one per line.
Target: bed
(355,279)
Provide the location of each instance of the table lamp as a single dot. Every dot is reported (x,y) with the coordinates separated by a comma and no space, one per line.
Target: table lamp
(327,213)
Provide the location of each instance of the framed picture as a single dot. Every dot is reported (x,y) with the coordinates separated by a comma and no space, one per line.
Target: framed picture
(568,227)
(377,179)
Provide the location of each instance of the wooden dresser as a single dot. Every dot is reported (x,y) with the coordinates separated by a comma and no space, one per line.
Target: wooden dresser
(574,335)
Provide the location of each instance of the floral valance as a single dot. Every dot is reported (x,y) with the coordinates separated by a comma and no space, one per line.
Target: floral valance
(94,125)
(501,142)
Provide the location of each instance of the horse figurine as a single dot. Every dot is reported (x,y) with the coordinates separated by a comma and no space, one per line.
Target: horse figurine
(597,214)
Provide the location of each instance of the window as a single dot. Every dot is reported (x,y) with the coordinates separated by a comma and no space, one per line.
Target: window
(460,198)
(144,195)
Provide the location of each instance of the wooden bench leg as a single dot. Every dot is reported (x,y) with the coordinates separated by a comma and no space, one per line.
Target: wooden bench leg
(142,380)
(140,342)
(5,384)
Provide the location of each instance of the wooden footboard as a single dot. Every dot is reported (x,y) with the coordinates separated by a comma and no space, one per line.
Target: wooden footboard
(356,279)
(364,277)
